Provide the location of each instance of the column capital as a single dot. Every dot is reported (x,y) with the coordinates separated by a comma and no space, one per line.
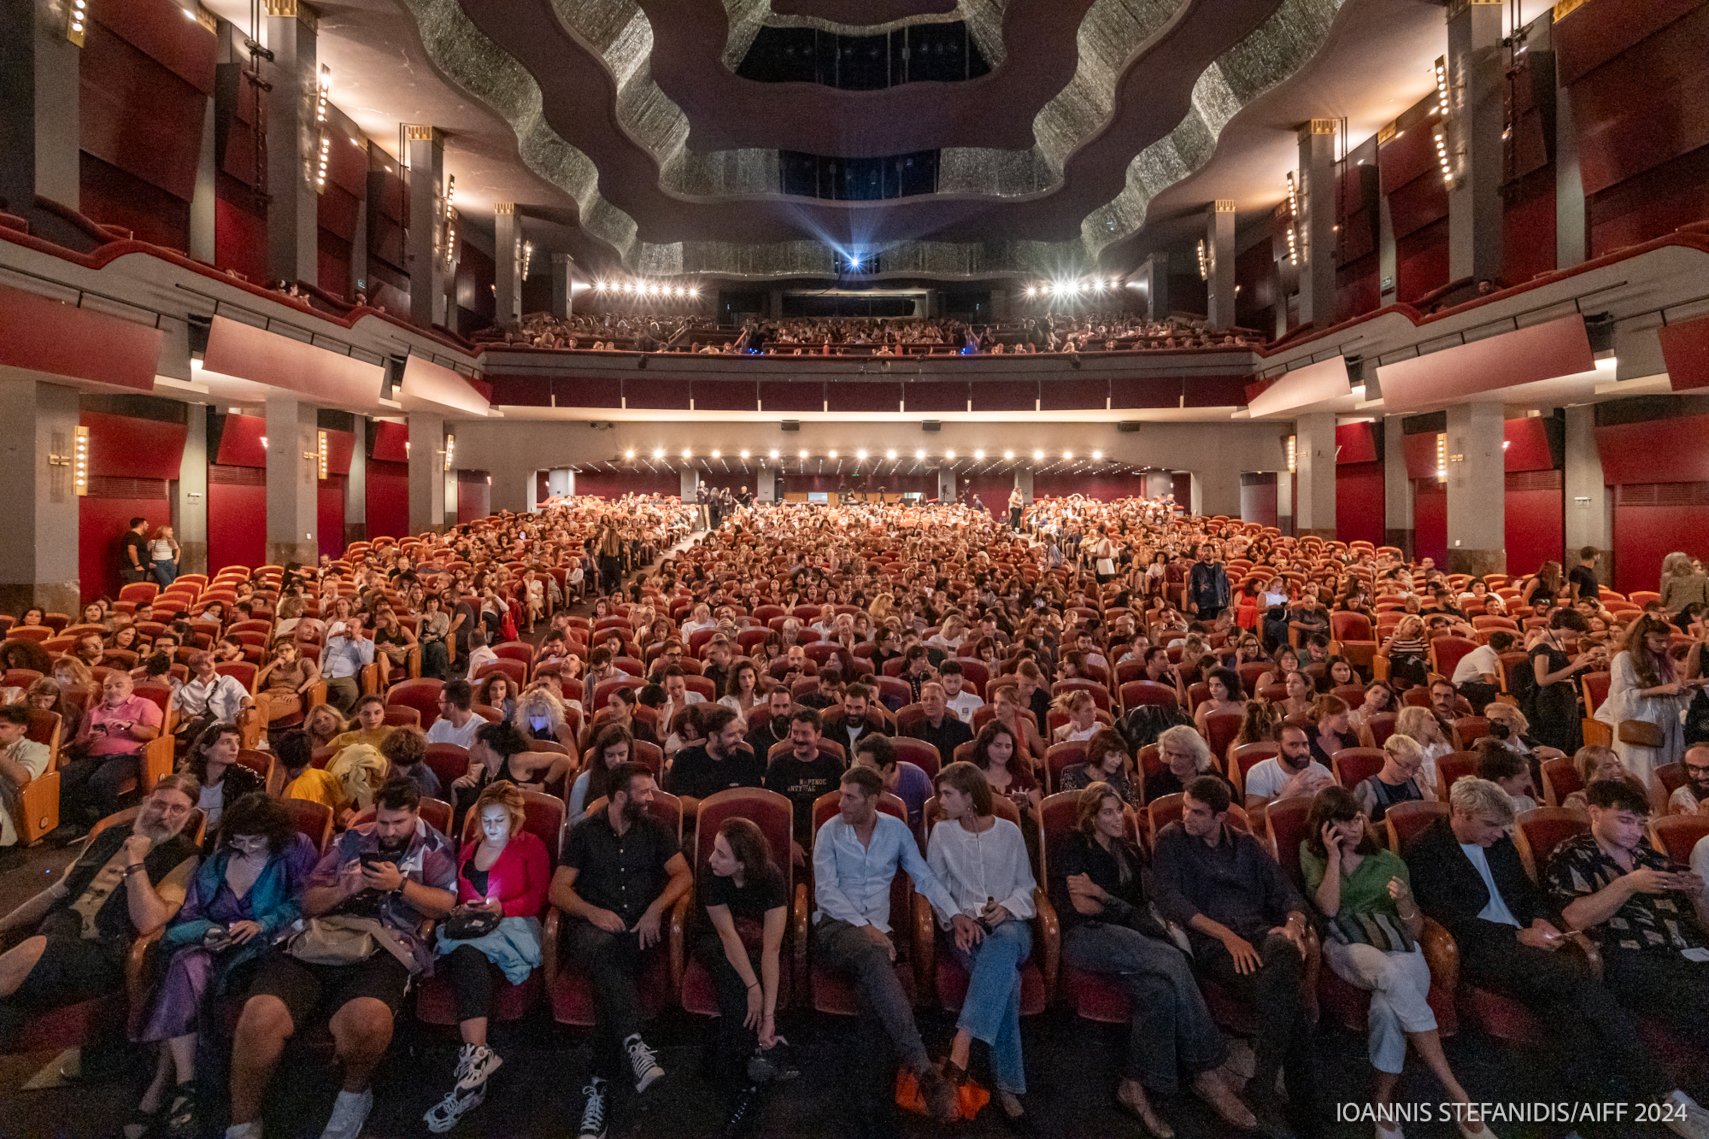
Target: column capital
(291,10)
(1222,206)
(1455,7)
(414,132)
(1319,126)
(504,207)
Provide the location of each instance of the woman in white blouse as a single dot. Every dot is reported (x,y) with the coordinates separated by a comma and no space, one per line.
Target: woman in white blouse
(982,861)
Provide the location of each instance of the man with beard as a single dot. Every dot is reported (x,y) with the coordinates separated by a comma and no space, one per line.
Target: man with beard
(128,882)
(622,871)
(801,773)
(383,878)
(1692,796)
(721,762)
(775,729)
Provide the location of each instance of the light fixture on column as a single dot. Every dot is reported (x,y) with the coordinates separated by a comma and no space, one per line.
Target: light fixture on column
(80,461)
(1441,457)
(450,450)
(1292,454)
(450,219)
(264,445)
(1441,72)
(321,160)
(77,25)
(527,257)
(320,455)
(1204,262)
(1440,134)
(322,90)
(1293,196)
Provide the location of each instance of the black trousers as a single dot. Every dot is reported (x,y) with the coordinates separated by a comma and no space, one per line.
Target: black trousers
(1597,1036)
(1273,992)
(71,970)
(613,964)
(731,1041)
(89,788)
(471,977)
(1662,985)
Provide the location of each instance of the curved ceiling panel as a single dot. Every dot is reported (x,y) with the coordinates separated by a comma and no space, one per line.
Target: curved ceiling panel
(860,12)
(1154,82)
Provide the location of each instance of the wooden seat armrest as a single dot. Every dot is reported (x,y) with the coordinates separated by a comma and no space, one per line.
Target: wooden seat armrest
(925,948)
(678,931)
(549,951)
(1441,954)
(1049,935)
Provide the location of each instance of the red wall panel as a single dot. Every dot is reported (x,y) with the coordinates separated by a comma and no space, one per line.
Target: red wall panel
(240,442)
(1074,395)
(475,495)
(113,197)
(240,234)
(927,396)
(339,447)
(101,524)
(1258,499)
(1644,535)
(1421,261)
(329,515)
(135,114)
(1535,527)
(47,335)
(1685,348)
(1421,455)
(388,499)
(1528,227)
(660,395)
(1355,443)
(390,441)
(1655,451)
(1526,443)
(1103,487)
(738,395)
(1430,521)
(133,448)
(237,517)
(1359,502)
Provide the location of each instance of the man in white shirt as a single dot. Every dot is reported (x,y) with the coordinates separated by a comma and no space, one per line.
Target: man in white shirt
(21,760)
(342,660)
(1293,772)
(855,857)
(208,697)
(456,723)
(958,698)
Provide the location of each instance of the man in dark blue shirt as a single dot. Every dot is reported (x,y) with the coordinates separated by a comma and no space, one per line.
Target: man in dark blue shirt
(1207,586)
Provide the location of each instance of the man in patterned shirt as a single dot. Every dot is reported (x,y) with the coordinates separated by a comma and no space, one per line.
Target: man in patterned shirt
(1645,914)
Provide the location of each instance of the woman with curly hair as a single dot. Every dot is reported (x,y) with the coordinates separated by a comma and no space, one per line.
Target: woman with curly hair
(1645,694)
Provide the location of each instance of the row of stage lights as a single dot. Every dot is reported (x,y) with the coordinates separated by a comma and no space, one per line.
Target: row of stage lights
(862,455)
(1079,288)
(647,289)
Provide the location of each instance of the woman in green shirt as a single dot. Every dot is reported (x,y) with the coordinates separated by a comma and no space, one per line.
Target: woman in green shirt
(1372,943)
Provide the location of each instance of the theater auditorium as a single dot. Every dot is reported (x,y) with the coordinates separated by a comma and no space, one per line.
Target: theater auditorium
(854,568)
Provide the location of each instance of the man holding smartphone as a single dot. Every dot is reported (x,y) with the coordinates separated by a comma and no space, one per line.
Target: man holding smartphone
(386,877)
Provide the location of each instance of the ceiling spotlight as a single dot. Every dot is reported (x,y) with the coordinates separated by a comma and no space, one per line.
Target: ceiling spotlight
(628,287)
(1097,455)
(1008,454)
(1068,454)
(774,452)
(1032,290)
(949,454)
(861,455)
(694,290)
(600,286)
(658,452)
(687,453)
(979,454)
(629,454)
(744,455)
(679,290)
(920,454)
(832,452)
(890,454)
(1038,456)
(802,455)
(716,454)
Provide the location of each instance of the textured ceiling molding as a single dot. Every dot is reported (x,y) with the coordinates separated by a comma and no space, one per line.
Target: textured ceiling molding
(984,19)
(471,61)
(1272,53)
(950,260)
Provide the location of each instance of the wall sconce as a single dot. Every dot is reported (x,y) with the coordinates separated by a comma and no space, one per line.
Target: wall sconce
(76,27)
(1204,264)
(1442,86)
(527,257)
(1441,136)
(450,450)
(1442,457)
(264,442)
(1293,197)
(1292,454)
(322,455)
(80,461)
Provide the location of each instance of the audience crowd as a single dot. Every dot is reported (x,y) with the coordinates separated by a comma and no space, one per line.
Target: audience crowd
(1186,762)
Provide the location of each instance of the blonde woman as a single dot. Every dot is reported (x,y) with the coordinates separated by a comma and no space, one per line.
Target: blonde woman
(1421,724)
(539,715)
(1682,583)
(1082,715)
(163,555)
(323,724)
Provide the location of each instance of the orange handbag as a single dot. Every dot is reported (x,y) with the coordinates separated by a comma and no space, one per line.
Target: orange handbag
(970,1098)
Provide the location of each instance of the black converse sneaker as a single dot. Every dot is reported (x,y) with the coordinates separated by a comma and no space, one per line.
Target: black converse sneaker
(644,1061)
(593,1112)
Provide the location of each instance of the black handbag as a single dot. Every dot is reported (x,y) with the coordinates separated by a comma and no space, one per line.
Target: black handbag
(467,925)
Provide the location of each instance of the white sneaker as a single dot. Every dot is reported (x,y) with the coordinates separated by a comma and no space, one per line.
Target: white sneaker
(1684,1117)
(244,1131)
(443,1116)
(644,1061)
(476,1065)
(349,1113)
(593,1111)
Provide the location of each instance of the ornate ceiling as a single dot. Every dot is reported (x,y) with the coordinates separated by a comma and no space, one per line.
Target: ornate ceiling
(641,138)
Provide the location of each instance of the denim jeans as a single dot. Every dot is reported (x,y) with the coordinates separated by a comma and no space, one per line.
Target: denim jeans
(1171,1030)
(992,1009)
(164,572)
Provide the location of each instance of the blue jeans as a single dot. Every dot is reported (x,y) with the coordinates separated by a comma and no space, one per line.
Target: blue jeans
(1171,1029)
(992,1010)
(164,572)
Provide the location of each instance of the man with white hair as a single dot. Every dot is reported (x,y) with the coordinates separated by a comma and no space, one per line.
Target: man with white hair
(130,881)
(1467,875)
